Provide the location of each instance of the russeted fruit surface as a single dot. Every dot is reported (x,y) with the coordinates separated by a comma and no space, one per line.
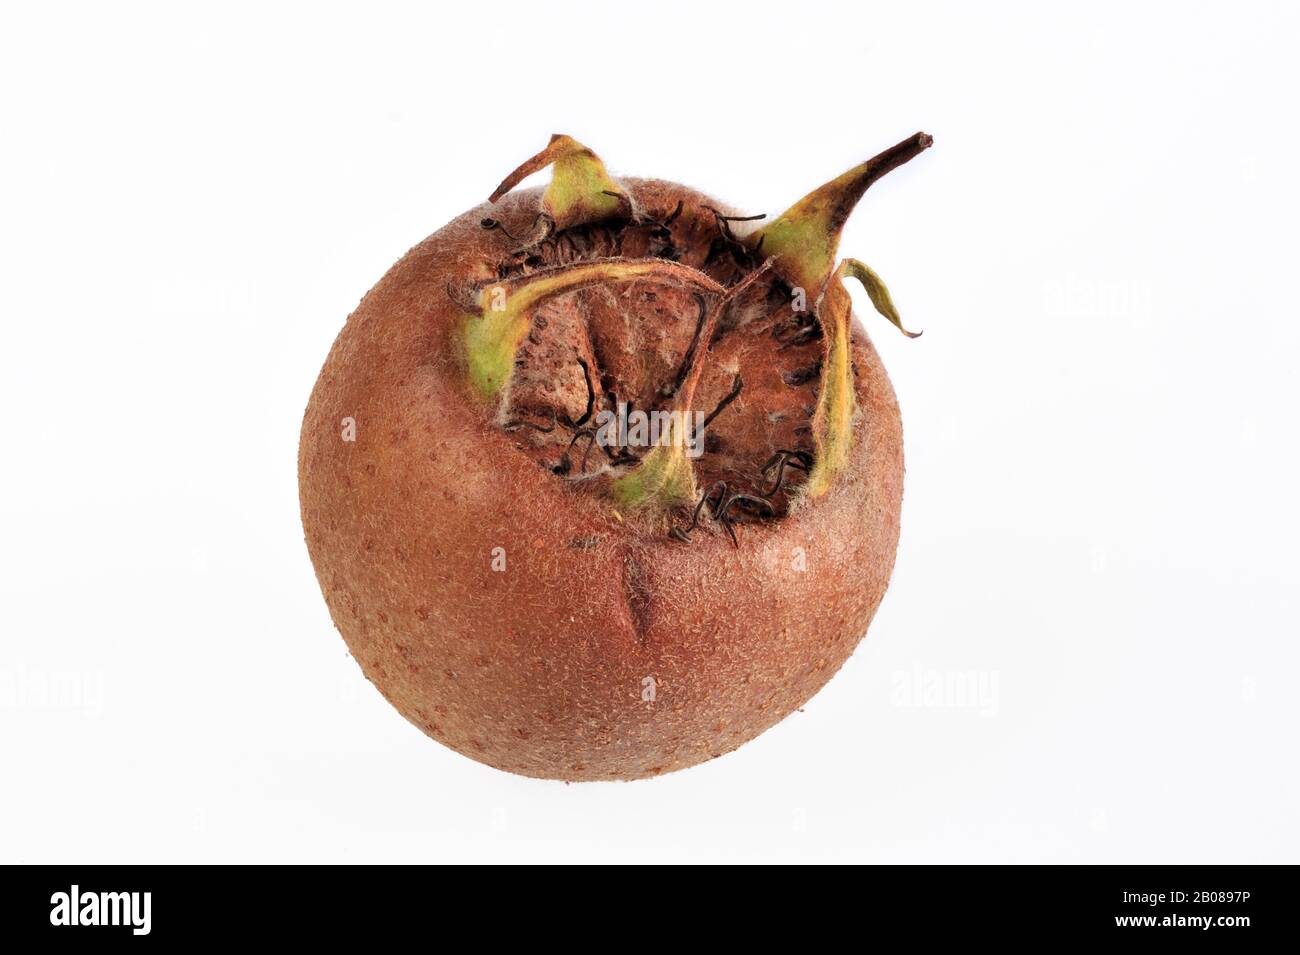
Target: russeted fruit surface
(602,480)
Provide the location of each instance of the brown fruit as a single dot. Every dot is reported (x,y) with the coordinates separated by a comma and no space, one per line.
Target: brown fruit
(535,576)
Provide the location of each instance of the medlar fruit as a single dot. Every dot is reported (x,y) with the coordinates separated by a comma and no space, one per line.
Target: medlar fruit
(603,480)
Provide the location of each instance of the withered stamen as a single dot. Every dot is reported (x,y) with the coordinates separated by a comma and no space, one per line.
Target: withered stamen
(730,397)
(565,463)
(591,394)
(516,425)
(799,460)
(491,224)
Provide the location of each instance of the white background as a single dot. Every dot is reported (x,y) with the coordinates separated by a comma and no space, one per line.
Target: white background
(1100,521)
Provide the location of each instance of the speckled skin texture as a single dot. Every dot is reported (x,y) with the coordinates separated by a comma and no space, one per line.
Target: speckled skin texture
(547,668)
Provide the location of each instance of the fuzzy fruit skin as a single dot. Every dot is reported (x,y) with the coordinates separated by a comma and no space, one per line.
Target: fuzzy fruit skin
(540,669)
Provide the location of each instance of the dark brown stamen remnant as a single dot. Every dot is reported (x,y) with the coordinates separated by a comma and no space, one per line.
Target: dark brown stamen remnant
(731,396)
(746,502)
(689,357)
(591,396)
(799,460)
(492,224)
(720,511)
(565,464)
(516,425)
(724,221)
(684,533)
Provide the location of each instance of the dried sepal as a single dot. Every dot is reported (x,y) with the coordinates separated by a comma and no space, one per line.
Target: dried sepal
(581,191)
(832,423)
(806,237)
(876,291)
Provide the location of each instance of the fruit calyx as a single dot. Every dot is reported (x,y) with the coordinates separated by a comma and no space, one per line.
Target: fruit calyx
(592,315)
